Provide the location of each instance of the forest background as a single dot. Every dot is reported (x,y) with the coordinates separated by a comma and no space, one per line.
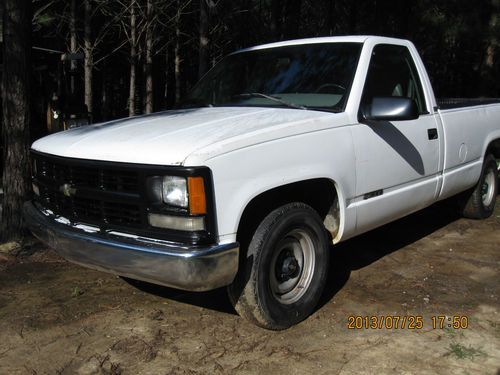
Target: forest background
(118,58)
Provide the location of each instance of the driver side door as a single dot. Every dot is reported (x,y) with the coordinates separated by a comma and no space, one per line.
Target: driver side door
(397,162)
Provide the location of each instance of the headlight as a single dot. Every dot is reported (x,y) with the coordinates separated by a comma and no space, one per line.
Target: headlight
(174,191)
(180,192)
(179,204)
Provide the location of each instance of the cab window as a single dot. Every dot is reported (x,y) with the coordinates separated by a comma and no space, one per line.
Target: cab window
(392,72)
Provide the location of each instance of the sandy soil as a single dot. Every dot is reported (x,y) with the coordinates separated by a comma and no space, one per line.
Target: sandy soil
(59,318)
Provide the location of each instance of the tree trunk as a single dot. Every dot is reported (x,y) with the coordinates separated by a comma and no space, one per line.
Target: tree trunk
(104,95)
(276,19)
(133,59)
(72,43)
(177,57)
(16,114)
(148,108)
(168,93)
(167,77)
(293,17)
(203,60)
(353,17)
(88,62)
(489,67)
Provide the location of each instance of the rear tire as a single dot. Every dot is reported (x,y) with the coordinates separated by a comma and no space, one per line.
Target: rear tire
(480,204)
(283,275)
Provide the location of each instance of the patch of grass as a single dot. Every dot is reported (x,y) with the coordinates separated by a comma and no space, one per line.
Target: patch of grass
(461,352)
(453,332)
(474,319)
(76,292)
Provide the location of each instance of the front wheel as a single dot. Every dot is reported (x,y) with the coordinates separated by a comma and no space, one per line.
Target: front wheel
(481,201)
(285,270)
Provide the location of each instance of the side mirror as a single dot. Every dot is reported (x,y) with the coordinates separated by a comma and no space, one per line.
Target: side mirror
(390,108)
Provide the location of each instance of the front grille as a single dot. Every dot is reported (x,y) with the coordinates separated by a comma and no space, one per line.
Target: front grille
(103,196)
(113,197)
(88,176)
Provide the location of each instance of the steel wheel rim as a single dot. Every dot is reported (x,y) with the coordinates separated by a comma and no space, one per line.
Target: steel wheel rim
(290,278)
(488,188)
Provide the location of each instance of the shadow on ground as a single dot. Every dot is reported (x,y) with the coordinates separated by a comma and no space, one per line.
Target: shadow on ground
(214,300)
(347,256)
(367,248)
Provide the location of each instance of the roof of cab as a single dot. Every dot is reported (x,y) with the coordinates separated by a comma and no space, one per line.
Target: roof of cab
(328,39)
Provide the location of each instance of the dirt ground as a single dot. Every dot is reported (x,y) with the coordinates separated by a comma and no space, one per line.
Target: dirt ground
(59,318)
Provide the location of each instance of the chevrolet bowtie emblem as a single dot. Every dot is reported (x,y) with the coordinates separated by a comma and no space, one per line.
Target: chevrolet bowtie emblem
(67,190)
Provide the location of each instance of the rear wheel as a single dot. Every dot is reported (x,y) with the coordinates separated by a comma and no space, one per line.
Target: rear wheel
(481,201)
(285,269)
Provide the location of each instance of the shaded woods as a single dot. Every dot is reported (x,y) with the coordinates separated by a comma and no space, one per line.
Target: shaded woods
(16,74)
(128,57)
(143,55)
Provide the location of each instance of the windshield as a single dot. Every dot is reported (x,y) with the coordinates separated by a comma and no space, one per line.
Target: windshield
(312,76)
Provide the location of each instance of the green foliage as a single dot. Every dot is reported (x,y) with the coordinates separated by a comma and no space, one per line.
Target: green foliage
(462,352)
(76,292)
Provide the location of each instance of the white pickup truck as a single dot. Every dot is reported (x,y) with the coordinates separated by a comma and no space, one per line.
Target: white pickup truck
(278,152)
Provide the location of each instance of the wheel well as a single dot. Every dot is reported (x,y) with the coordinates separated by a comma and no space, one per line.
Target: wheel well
(320,194)
(494,149)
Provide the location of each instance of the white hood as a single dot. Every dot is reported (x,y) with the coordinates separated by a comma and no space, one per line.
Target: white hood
(168,138)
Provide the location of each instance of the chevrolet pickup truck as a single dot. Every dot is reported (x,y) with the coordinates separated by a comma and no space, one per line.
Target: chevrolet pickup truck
(280,152)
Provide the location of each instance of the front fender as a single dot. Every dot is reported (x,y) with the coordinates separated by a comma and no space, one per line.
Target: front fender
(243,174)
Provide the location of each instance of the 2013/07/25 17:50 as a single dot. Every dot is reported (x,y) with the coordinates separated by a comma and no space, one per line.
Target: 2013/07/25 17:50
(406,322)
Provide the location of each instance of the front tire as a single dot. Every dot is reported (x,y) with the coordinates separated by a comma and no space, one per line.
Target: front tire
(284,273)
(481,202)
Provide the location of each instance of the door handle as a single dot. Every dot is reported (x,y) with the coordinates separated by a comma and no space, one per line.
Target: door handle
(432,133)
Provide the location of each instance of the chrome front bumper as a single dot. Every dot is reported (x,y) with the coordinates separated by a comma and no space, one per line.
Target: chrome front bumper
(159,262)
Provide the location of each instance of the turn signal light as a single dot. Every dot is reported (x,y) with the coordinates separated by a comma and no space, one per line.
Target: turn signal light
(197,199)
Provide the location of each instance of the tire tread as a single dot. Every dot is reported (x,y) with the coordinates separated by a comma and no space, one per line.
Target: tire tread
(245,298)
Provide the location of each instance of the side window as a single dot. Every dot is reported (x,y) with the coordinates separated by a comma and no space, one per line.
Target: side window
(392,72)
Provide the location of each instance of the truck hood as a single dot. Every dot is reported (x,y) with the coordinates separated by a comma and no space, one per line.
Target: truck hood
(169,137)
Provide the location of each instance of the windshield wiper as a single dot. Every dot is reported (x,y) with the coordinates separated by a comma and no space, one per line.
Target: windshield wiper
(326,109)
(270,97)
